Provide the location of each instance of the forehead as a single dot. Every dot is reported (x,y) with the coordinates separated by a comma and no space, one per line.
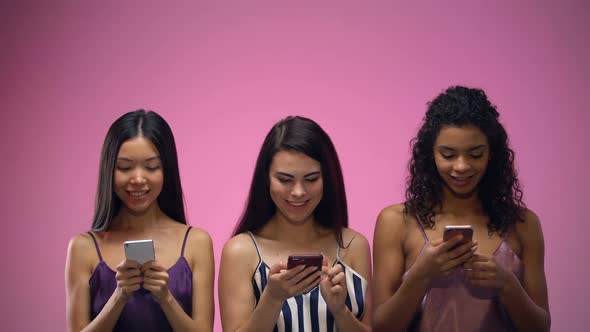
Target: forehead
(138,148)
(463,137)
(293,162)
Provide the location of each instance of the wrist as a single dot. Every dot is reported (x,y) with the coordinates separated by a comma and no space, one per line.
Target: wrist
(510,286)
(120,296)
(342,313)
(271,299)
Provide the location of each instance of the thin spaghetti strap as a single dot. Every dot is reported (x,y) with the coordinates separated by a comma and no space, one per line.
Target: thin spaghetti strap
(184,241)
(256,245)
(96,245)
(421,229)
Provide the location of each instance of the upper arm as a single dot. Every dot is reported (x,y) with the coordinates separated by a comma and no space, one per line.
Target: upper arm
(359,254)
(533,258)
(388,253)
(77,275)
(236,293)
(203,267)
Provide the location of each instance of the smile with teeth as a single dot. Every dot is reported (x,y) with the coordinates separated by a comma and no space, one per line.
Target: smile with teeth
(138,194)
(461,180)
(297,204)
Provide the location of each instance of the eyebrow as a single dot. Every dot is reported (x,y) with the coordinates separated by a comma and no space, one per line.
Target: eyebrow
(291,176)
(444,147)
(131,160)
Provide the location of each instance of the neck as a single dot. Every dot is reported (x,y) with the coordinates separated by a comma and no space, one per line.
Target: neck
(137,222)
(286,231)
(459,205)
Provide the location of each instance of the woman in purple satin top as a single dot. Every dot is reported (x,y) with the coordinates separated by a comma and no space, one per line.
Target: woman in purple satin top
(461,173)
(140,197)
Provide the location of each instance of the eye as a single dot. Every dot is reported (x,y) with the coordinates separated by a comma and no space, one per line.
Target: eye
(152,168)
(477,156)
(284,180)
(312,180)
(447,155)
(123,168)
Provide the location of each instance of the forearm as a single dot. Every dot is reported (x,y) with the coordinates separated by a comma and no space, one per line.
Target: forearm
(179,320)
(397,312)
(109,315)
(347,322)
(524,312)
(265,315)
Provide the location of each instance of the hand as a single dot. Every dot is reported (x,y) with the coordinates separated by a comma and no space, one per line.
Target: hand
(155,280)
(333,288)
(440,259)
(483,271)
(128,276)
(283,283)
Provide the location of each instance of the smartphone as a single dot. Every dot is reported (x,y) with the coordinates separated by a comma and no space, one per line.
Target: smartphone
(141,251)
(305,259)
(453,230)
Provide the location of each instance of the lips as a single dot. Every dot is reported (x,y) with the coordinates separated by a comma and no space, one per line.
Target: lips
(461,181)
(297,204)
(138,195)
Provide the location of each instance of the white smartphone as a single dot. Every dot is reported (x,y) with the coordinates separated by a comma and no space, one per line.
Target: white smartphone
(141,251)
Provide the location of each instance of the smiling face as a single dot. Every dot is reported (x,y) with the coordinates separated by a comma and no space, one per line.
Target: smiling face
(296,185)
(138,177)
(461,155)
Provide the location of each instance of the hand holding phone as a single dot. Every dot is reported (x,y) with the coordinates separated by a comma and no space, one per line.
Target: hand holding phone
(453,230)
(141,251)
(305,259)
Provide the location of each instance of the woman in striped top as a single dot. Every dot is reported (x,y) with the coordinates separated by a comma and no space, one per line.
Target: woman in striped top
(296,205)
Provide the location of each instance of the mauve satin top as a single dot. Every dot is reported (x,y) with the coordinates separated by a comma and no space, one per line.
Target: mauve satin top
(452,304)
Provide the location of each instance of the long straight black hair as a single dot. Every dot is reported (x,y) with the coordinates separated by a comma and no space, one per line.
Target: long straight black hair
(153,127)
(296,133)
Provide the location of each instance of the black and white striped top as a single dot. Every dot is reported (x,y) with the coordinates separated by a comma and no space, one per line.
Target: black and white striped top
(308,311)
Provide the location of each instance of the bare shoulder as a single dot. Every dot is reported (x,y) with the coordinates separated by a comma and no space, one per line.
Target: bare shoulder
(82,252)
(199,237)
(238,248)
(529,232)
(391,221)
(354,241)
(81,244)
(239,258)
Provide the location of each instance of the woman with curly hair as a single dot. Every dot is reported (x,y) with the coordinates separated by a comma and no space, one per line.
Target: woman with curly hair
(461,173)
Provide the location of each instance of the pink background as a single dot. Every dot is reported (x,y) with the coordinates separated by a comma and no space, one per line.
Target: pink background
(222,73)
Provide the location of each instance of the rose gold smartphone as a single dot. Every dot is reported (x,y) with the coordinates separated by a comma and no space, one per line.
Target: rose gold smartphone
(453,230)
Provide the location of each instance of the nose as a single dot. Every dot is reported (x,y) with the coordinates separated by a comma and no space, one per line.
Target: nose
(461,165)
(298,190)
(138,177)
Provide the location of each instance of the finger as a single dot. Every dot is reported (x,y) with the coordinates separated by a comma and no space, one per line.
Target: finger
(277,268)
(446,245)
(340,278)
(303,274)
(458,261)
(324,260)
(127,264)
(335,270)
(461,249)
(437,242)
(153,265)
(130,281)
(126,274)
(154,282)
(313,278)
